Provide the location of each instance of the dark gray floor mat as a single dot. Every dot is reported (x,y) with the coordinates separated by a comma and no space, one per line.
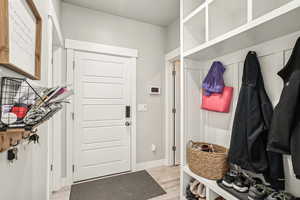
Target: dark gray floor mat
(133,186)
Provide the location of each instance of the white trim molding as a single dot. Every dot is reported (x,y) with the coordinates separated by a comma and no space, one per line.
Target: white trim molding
(69,120)
(133,65)
(49,175)
(100,48)
(57,122)
(150,164)
(55,20)
(173,55)
(169,59)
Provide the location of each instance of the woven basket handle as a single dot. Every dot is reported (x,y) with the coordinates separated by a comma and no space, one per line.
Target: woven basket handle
(212,148)
(191,143)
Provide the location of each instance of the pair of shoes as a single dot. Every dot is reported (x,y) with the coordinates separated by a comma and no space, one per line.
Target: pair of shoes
(189,195)
(237,181)
(198,189)
(240,182)
(280,196)
(259,192)
(229,178)
(263,192)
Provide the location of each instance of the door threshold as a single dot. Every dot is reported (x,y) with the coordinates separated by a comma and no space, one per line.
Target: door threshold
(101,177)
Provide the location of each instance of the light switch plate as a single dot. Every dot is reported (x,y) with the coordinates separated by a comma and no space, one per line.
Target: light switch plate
(142,107)
(153,147)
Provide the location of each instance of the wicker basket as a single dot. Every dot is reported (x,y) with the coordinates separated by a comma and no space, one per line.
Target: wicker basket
(210,165)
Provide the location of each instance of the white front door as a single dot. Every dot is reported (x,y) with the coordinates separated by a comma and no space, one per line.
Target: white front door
(102,128)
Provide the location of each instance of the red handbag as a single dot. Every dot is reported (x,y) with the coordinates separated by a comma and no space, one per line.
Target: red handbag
(218,102)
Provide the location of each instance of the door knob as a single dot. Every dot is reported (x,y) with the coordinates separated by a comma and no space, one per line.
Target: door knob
(127,123)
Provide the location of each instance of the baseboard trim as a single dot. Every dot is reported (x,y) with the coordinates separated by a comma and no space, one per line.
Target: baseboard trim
(150,164)
(64,182)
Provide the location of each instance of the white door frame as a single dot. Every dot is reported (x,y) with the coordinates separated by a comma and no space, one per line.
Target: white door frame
(55,38)
(50,176)
(72,46)
(169,59)
(57,122)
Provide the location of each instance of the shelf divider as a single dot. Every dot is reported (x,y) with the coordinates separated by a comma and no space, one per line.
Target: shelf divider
(195,12)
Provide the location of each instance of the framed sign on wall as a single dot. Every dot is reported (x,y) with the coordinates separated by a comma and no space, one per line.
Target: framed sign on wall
(21,37)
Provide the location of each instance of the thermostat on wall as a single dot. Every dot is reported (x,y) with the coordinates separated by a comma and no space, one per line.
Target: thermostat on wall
(154,90)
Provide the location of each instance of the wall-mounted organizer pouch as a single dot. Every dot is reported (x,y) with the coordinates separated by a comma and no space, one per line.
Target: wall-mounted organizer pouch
(17,97)
(218,102)
(24,107)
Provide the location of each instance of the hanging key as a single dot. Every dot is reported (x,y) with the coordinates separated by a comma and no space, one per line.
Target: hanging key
(11,156)
(16,150)
(34,138)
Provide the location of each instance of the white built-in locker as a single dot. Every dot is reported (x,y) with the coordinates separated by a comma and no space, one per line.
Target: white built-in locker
(225,31)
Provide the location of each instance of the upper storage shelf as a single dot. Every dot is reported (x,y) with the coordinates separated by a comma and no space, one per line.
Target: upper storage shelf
(243,23)
(233,14)
(262,7)
(190,6)
(194,31)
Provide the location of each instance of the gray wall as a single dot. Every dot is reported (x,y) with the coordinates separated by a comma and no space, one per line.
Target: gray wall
(173,36)
(25,179)
(88,25)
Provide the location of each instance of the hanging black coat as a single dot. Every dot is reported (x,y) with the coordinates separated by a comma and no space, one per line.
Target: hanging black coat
(284,135)
(251,125)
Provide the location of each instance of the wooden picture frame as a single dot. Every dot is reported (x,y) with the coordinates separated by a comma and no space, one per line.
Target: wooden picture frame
(8,58)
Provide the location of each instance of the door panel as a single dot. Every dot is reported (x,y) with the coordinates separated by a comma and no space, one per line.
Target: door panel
(103,145)
(113,154)
(103,112)
(112,133)
(103,91)
(107,68)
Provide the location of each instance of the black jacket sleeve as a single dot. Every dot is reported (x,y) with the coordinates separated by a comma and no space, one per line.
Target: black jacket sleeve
(295,134)
(284,118)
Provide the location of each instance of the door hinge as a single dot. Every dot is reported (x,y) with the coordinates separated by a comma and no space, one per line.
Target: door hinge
(73,116)
(174,73)
(73,64)
(174,110)
(73,168)
(174,148)
(52,60)
(51,167)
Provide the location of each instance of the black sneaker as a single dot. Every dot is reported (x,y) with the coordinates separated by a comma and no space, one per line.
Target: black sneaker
(229,179)
(241,183)
(259,192)
(280,196)
(273,196)
(255,181)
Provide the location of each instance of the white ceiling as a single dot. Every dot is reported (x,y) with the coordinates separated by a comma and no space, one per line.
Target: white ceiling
(158,12)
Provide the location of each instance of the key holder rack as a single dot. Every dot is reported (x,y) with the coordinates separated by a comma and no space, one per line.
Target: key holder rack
(23,109)
(12,137)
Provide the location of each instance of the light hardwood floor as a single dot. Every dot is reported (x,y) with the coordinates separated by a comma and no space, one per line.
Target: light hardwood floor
(167,177)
